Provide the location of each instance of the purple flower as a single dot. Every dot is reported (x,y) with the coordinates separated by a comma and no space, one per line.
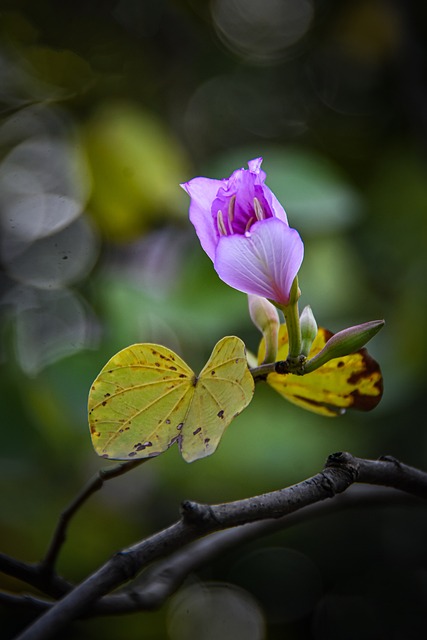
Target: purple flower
(244,230)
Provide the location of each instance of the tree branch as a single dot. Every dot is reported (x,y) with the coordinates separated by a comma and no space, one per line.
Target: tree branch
(341,471)
(47,565)
(42,575)
(161,581)
(54,586)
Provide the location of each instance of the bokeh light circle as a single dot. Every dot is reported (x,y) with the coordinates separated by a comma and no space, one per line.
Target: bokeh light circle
(215,610)
(264,30)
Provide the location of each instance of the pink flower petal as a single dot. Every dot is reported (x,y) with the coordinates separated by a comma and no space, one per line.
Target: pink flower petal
(275,206)
(255,165)
(202,192)
(264,263)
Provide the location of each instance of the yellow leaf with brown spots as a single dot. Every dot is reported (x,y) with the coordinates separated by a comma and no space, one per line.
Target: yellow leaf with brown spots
(349,382)
(146,398)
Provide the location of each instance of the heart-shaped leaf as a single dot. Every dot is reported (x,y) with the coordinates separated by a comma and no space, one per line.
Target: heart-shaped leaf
(146,398)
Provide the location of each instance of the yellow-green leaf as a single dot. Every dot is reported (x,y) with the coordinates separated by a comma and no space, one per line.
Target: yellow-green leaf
(349,382)
(146,398)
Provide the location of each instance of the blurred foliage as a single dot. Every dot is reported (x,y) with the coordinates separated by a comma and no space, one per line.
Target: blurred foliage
(136,165)
(105,108)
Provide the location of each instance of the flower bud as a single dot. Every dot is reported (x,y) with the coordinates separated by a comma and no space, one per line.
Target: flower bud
(344,342)
(308,326)
(265,317)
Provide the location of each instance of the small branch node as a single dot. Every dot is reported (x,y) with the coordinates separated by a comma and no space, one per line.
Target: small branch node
(282,367)
(339,459)
(197,514)
(345,462)
(341,470)
(391,459)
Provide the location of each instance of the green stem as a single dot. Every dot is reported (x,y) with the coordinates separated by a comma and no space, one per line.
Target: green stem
(292,322)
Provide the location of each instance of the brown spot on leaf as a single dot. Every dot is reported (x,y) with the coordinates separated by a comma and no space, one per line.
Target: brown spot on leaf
(370,366)
(179,426)
(329,407)
(363,402)
(172,368)
(198,430)
(131,454)
(220,414)
(104,403)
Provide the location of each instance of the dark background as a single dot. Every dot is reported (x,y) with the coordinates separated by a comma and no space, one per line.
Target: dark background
(105,108)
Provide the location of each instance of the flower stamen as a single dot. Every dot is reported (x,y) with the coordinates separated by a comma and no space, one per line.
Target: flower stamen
(230,212)
(249,224)
(259,211)
(220,222)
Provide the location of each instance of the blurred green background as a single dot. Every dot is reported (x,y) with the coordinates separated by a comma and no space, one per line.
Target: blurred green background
(105,107)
